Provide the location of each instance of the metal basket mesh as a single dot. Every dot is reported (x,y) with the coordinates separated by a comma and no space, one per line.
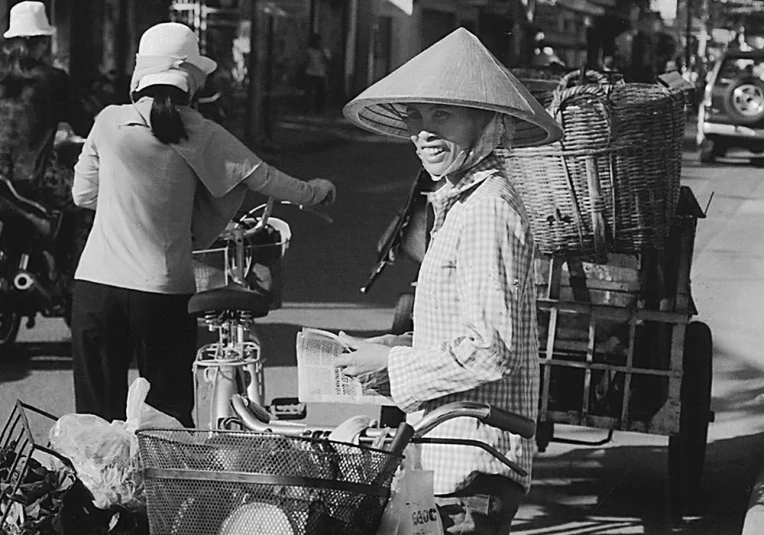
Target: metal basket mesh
(217,482)
(23,442)
(263,269)
(210,269)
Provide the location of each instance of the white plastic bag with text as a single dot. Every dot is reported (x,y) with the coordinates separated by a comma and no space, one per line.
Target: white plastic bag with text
(411,509)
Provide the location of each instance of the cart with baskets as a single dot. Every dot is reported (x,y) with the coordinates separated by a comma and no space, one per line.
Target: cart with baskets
(619,349)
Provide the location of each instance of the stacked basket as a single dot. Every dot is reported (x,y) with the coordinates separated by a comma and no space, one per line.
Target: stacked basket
(612,183)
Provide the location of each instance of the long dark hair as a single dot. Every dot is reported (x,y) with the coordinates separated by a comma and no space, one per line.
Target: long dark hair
(166,122)
(20,57)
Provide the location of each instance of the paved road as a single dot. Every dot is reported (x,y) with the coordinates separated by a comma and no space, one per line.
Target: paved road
(617,488)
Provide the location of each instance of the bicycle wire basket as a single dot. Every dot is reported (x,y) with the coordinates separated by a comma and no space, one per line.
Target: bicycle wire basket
(226,482)
(21,451)
(262,265)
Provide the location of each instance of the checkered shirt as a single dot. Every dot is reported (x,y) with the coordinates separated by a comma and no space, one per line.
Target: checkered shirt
(475,330)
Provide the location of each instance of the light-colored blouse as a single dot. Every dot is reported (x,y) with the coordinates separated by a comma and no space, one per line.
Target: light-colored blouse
(156,202)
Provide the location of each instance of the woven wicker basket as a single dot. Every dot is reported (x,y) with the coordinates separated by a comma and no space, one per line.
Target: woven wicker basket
(540,82)
(612,183)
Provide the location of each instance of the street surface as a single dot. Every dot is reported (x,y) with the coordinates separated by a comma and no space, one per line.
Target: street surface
(617,488)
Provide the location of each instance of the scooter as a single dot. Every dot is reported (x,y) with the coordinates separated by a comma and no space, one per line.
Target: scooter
(32,278)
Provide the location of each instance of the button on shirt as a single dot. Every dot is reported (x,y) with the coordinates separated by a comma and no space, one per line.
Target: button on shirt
(475,331)
(146,193)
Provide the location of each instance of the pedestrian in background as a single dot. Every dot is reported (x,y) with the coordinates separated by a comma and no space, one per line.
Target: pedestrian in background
(35,99)
(316,73)
(163,181)
(475,329)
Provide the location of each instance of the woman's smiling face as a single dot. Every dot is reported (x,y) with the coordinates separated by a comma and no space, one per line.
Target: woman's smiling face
(441,133)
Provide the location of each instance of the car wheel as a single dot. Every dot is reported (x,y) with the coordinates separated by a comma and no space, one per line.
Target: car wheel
(711,150)
(707,154)
(744,100)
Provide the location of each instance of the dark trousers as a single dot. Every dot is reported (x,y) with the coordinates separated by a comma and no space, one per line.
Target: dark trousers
(112,325)
(486,506)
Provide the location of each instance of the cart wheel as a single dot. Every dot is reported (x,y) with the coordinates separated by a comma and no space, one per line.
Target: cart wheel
(687,450)
(403,321)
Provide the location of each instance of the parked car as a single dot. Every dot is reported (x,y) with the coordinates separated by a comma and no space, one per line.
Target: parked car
(731,115)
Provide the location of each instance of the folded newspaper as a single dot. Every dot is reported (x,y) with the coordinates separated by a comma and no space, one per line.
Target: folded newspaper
(317,378)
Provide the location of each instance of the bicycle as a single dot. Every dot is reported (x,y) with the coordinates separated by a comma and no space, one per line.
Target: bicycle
(287,478)
(239,280)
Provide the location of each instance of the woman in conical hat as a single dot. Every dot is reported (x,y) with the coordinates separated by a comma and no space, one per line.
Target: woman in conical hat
(475,333)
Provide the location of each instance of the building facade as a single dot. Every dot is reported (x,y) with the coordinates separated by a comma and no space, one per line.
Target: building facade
(98,39)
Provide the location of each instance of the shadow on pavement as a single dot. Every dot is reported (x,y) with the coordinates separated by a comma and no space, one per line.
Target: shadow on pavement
(20,360)
(624,489)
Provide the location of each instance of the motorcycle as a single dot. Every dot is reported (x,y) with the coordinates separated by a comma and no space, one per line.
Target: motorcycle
(36,267)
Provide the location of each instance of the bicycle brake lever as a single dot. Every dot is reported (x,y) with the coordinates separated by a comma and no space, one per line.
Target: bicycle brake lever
(305,208)
(323,215)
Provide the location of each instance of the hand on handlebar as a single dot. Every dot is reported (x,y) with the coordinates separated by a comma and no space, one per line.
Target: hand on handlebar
(327,193)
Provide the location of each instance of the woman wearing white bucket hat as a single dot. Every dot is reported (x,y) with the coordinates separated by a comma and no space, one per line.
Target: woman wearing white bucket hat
(163,181)
(475,333)
(35,98)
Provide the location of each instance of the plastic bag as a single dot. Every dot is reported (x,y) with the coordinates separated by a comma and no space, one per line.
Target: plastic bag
(411,509)
(105,454)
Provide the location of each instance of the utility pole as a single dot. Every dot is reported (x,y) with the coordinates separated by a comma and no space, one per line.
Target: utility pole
(255,132)
(688,36)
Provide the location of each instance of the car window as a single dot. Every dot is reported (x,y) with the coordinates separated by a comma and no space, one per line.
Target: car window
(736,68)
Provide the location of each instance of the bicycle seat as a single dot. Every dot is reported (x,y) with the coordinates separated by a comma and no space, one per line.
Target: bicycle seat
(233,296)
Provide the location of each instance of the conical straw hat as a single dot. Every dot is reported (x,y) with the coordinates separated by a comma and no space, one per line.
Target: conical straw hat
(457,70)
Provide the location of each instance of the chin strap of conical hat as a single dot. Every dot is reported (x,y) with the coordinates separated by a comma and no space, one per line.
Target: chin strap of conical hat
(499,131)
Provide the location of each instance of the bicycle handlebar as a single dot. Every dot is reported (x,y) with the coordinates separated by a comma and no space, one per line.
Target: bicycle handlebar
(268,207)
(489,414)
(247,410)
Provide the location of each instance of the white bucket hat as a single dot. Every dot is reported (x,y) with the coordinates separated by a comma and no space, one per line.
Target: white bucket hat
(167,53)
(28,19)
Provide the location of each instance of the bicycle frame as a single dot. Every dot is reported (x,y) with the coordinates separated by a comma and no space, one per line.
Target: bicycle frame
(233,364)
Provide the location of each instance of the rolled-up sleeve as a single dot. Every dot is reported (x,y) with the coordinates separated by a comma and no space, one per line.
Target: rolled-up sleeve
(492,264)
(85,186)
